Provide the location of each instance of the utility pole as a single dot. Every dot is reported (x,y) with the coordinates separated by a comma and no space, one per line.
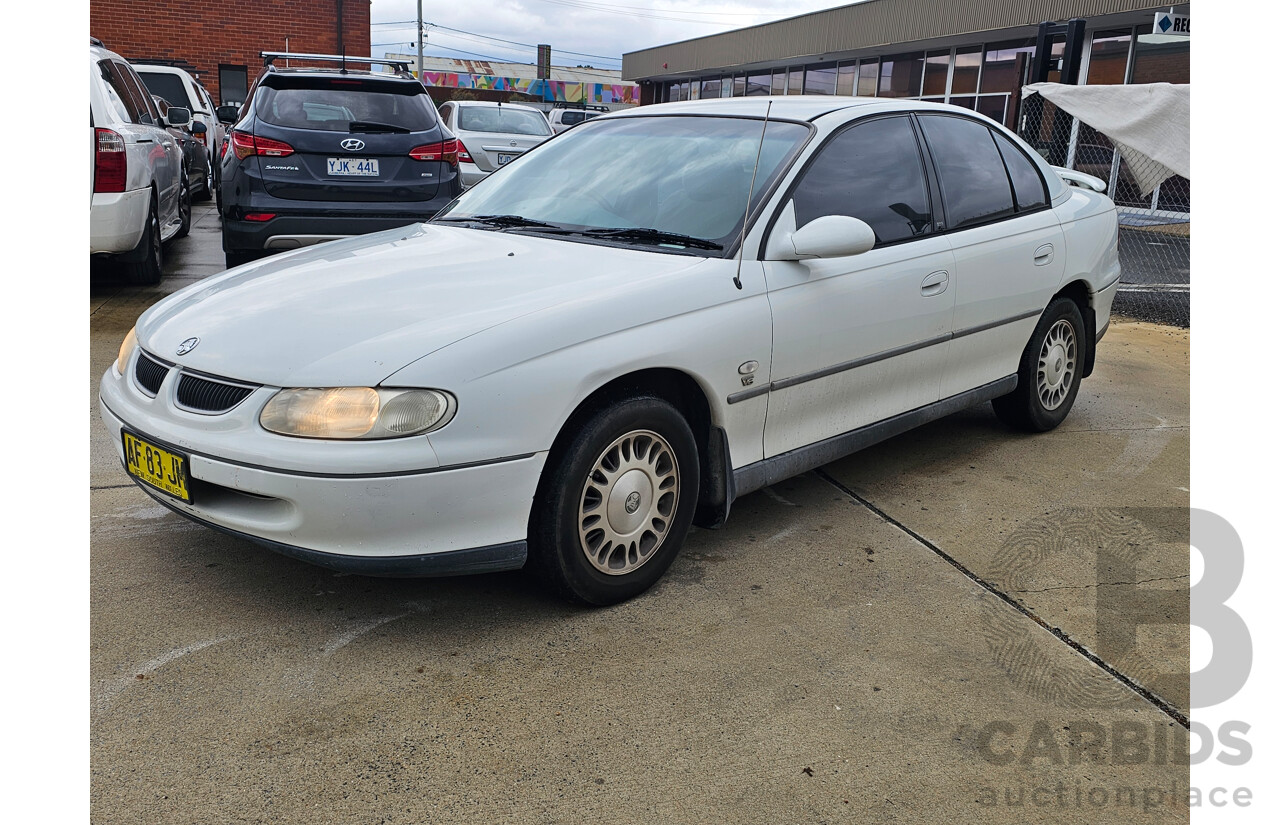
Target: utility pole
(419,40)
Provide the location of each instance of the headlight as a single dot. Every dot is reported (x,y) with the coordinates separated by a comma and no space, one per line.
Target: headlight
(357,412)
(126,351)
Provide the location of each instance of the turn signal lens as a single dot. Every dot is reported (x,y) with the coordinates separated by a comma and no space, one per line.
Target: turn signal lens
(356,412)
(126,351)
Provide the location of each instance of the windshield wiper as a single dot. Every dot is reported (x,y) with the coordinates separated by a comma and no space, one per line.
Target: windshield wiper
(370,126)
(501,221)
(655,236)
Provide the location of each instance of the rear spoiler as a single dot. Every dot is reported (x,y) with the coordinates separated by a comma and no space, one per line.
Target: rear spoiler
(1089,181)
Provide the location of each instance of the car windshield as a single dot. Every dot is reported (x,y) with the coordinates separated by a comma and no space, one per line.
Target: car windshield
(502,119)
(678,175)
(331,105)
(168,86)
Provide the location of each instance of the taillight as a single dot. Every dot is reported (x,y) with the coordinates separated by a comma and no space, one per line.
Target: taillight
(445,150)
(110,168)
(245,144)
(463,154)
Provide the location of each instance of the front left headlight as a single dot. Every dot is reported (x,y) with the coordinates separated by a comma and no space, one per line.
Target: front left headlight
(357,412)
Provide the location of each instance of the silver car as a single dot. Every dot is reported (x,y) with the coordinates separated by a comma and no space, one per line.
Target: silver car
(492,134)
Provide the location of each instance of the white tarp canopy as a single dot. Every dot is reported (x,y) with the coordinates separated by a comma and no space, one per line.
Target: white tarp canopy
(1150,123)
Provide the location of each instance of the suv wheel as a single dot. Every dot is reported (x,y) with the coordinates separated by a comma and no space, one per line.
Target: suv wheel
(143,266)
(206,191)
(184,207)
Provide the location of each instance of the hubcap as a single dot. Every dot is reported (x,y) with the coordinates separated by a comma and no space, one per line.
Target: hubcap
(627,502)
(1057,368)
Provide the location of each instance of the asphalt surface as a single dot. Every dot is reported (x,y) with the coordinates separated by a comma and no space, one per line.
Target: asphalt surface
(922,632)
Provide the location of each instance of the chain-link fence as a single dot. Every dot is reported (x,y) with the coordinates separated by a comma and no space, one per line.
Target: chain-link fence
(1155,219)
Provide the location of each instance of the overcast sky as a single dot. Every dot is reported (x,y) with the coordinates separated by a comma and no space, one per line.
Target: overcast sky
(600,28)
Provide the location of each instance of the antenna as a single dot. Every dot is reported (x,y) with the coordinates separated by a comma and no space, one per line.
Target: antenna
(742,241)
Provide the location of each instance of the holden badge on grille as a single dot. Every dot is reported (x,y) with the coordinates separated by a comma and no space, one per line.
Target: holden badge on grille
(187,345)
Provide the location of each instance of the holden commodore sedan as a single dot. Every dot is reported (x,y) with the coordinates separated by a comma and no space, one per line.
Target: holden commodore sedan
(577,359)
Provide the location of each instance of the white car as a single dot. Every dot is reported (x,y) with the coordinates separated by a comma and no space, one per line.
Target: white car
(572,364)
(566,117)
(491,134)
(136,177)
(177,86)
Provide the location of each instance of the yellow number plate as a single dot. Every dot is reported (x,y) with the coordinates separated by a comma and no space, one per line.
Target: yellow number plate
(164,470)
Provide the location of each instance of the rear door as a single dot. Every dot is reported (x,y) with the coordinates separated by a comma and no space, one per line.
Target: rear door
(346,139)
(497,135)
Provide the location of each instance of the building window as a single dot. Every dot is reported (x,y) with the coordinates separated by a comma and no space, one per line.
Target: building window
(847,79)
(710,88)
(964,79)
(901,75)
(759,85)
(739,86)
(795,81)
(820,80)
(233,84)
(868,77)
(936,65)
(1109,58)
(779,82)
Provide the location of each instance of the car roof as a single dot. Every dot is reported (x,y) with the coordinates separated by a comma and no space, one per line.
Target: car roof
(315,71)
(160,68)
(788,107)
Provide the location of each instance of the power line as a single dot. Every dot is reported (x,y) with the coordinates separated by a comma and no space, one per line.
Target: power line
(498,39)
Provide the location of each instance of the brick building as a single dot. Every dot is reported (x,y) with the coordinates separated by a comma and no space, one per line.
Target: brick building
(220,40)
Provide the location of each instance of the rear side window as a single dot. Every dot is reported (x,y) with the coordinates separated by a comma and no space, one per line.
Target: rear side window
(872,172)
(332,105)
(570,118)
(168,86)
(502,119)
(1028,186)
(975,186)
(123,94)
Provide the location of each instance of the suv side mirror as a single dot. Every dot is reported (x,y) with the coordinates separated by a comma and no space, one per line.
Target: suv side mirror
(178,116)
(198,128)
(228,114)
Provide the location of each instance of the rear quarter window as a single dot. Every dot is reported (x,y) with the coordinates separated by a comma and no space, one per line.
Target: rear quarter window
(975,186)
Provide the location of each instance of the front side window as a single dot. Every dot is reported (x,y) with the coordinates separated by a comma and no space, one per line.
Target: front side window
(975,187)
(685,176)
(872,172)
(504,120)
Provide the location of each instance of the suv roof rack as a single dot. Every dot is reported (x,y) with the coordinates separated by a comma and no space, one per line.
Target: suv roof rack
(269,58)
(571,104)
(159,61)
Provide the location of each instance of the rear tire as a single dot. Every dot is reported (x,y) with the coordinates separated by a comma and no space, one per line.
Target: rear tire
(613,506)
(206,191)
(144,265)
(184,207)
(1049,372)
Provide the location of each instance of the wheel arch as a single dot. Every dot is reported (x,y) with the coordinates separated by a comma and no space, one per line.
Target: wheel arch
(684,392)
(1080,292)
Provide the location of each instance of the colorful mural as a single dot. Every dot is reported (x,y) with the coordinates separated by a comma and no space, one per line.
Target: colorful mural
(549,90)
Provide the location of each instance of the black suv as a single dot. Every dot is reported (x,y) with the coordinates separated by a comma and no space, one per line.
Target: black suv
(318,154)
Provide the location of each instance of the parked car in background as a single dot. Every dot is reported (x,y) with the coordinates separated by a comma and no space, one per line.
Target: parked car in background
(180,88)
(567,115)
(569,366)
(319,154)
(137,179)
(492,134)
(195,159)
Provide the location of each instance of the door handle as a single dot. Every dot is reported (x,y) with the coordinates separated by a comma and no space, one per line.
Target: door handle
(1044,255)
(935,283)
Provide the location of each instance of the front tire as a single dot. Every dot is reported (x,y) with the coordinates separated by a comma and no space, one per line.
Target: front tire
(184,207)
(1049,372)
(615,504)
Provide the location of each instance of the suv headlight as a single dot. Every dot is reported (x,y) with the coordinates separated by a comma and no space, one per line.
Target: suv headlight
(357,412)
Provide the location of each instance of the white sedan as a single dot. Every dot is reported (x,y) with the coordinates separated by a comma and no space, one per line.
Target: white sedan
(615,335)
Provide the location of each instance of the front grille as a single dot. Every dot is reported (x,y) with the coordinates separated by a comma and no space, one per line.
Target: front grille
(205,395)
(150,373)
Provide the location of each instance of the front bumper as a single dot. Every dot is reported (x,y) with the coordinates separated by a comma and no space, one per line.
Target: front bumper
(373,519)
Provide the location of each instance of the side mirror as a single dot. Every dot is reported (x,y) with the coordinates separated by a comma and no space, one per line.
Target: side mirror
(178,116)
(228,114)
(831,236)
(198,128)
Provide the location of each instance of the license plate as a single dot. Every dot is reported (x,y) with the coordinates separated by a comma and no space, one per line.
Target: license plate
(164,470)
(505,159)
(360,167)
